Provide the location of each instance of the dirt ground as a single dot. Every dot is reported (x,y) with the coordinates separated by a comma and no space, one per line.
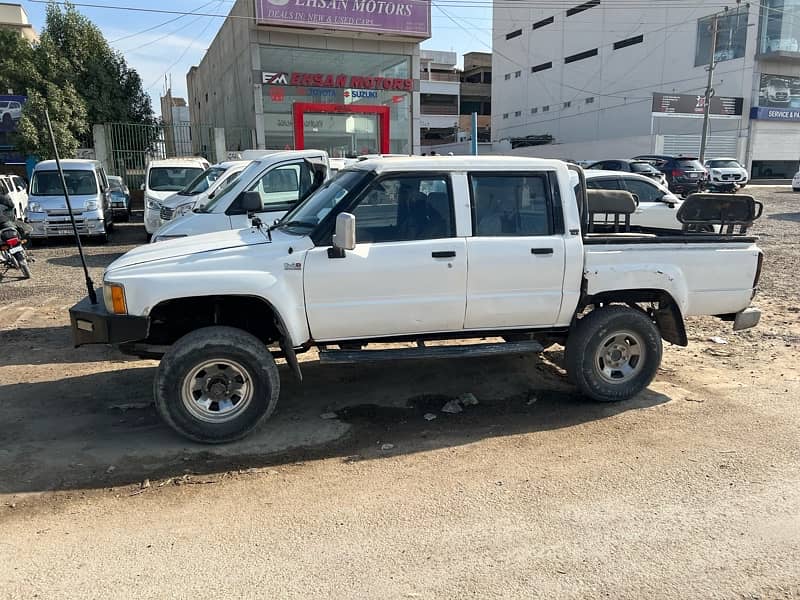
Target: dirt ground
(689,490)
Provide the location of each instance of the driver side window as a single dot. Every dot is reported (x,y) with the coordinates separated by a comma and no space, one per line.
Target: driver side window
(282,185)
(646,192)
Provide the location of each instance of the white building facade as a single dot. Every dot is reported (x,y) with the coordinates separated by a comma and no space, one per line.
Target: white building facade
(608,80)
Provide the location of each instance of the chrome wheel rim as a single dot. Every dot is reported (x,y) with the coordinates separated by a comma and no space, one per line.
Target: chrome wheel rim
(217,391)
(620,357)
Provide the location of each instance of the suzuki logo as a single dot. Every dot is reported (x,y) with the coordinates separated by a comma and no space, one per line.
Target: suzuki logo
(274,78)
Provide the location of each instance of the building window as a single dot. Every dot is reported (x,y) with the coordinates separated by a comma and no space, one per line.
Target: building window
(546,108)
(513,34)
(590,100)
(543,22)
(567,104)
(542,67)
(534,110)
(580,56)
(780,27)
(517,74)
(505,115)
(518,113)
(731,37)
(582,7)
(507,76)
(629,42)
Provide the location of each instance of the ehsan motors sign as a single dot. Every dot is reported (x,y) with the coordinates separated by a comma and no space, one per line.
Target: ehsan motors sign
(328,80)
(687,105)
(407,18)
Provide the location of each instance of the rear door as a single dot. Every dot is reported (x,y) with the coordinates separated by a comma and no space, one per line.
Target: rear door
(516,253)
(407,273)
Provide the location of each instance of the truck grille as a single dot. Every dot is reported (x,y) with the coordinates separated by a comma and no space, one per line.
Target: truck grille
(62,212)
(167,213)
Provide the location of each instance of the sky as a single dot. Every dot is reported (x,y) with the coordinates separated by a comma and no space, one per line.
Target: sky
(172,46)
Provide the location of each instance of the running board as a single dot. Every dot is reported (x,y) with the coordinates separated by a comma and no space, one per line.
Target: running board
(457,351)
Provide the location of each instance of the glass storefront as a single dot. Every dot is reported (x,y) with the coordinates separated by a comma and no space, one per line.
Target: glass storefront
(341,81)
(731,37)
(780,27)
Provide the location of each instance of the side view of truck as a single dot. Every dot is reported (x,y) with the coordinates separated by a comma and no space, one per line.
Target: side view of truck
(419,249)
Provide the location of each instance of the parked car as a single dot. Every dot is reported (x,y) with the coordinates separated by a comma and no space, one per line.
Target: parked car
(685,175)
(120,198)
(656,206)
(722,172)
(90,197)
(422,249)
(796,182)
(10,113)
(778,91)
(162,179)
(282,179)
(642,167)
(201,189)
(15,187)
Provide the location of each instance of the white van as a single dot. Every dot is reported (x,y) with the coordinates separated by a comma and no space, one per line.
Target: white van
(203,187)
(89,195)
(15,186)
(162,179)
(282,179)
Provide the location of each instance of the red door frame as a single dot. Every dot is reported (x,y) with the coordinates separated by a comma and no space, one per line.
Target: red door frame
(299,109)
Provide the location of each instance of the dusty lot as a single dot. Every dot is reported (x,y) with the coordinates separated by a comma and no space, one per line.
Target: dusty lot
(690,490)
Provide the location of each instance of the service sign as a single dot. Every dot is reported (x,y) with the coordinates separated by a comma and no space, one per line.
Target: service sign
(408,18)
(764,113)
(687,105)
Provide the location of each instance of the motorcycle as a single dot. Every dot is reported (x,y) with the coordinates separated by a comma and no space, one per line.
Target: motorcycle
(12,251)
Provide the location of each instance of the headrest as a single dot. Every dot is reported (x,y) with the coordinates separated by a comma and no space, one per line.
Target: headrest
(611,202)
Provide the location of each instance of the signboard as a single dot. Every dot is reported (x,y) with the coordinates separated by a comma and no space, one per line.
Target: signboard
(774,114)
(780,91)
(332,80)
(408,18)
(687,105)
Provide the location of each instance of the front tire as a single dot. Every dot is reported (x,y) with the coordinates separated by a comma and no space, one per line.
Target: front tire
(23,266)
(613,353)
(216,385)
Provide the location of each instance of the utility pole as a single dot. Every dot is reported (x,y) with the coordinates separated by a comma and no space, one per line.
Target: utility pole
(709,90)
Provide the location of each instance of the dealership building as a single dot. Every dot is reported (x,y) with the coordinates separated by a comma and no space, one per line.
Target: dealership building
(340,75)
(607,81)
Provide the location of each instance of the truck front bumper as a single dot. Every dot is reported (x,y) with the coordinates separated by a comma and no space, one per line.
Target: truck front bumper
(93,324)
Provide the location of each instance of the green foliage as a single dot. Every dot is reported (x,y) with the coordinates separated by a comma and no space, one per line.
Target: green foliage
(76,75)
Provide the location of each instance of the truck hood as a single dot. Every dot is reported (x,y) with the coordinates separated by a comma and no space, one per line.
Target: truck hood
(195,244)
(160,196)
(177,200)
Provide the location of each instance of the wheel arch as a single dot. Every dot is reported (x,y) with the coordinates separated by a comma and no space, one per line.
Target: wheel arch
(667,314)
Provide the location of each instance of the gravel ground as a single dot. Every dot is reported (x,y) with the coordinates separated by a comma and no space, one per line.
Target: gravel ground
(689,490)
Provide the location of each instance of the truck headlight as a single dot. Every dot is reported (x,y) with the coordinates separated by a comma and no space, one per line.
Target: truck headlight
(184,209)
(114,298)
(92,205)
(152,203)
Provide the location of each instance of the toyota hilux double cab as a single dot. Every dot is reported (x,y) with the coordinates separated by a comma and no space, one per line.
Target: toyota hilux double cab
(419,249)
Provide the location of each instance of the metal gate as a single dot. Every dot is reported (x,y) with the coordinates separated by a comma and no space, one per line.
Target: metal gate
(718,145)
(130,146)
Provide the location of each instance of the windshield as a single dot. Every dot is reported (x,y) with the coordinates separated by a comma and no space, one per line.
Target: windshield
(171,179)
(249,174)
(48,183)
(316,207)
(643,167)
(724,164)
(203,181)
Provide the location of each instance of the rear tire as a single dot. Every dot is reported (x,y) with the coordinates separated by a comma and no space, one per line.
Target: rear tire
(613,353)
(216,385)
(23,266)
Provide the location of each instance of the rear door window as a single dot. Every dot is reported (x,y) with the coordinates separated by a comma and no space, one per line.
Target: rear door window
(603,183)
(511,204)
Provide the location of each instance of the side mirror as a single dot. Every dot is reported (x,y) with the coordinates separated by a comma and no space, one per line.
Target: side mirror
(251,202)
(345,236)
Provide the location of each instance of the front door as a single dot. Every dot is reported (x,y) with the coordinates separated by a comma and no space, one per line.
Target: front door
(407,273)
(516,257)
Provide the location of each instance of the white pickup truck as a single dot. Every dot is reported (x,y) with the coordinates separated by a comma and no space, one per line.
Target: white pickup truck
(416,249)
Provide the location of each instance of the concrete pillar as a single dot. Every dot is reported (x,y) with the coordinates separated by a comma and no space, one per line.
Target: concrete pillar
(100,146)
(220,148)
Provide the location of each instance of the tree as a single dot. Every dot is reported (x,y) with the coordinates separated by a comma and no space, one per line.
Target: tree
(20,71)
(112,90)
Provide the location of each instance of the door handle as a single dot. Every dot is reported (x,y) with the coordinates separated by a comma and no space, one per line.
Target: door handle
(541,250)
(444,254)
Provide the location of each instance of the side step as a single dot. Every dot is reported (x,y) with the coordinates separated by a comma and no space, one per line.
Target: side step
(459,351)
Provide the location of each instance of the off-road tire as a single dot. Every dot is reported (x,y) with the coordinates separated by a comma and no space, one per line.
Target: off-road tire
(584,343)
(208,344)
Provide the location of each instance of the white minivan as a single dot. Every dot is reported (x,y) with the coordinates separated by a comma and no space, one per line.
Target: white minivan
(201,188)
(162,179)
(282,179)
